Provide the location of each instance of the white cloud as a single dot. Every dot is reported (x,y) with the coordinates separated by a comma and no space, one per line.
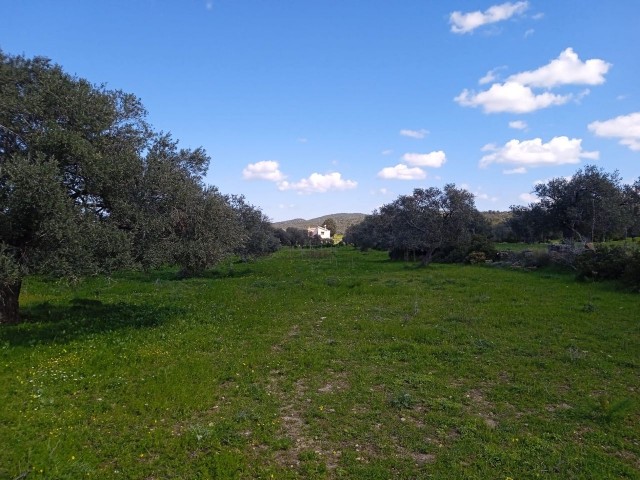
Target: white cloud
(515,171)
(517,95)
(433,159)
(485,196)
(528,197)
(528,33)
(388,151)
(624,127)
(265,170)
(518,125)
(547,180)
(402,172)
(567,69)
(533,153)
(510,97)
(415,133)
(468,22)
(319,183)
(491,76)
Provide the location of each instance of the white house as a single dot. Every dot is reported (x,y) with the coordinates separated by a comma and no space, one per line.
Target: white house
(324,233)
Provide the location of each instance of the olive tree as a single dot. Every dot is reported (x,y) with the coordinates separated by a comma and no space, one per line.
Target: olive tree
(86,186)
(428,222)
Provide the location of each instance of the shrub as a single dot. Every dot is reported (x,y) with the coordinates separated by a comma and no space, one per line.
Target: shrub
(461,252)
(476,257)
(610,262)
(534,258)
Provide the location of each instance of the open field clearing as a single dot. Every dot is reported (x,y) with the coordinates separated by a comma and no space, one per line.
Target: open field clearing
(323,364)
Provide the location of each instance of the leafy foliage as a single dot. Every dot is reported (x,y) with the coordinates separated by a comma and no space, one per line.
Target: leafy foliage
(592,205)
(429,224)
(87,186)
(610,262)
(260,236)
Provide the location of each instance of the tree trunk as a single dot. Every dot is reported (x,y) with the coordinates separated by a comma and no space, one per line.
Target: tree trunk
(9,303)
(426,258)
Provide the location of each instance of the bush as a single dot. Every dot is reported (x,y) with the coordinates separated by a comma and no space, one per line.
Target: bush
(631,275)
(476,258)
(610,262)
(461,252)
(535,259)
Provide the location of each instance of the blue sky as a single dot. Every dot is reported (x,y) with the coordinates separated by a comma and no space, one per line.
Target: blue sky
(313,107)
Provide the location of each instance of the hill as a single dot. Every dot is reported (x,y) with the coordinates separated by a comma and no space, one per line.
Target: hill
(343,220)
(495,217)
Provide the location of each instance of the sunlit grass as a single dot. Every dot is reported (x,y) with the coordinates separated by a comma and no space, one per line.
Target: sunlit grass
(322,363)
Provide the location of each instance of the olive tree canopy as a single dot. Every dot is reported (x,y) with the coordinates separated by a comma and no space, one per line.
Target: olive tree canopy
(86,186)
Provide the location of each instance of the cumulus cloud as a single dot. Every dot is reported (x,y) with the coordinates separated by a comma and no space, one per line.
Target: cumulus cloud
(534,153)
(624,127)
(432,159)
(567,69)
(517,94)
(485,196)
(265,170)
(468,22)
(415,133)
(319,183)
(491,76)
(528,197)
(515,171)
(402,172)
(510,97)
(518,125)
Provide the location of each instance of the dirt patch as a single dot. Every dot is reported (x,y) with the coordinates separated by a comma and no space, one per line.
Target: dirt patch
(294,426)
(558,407)
(337,383)
(481,407)
(629,457)
(423,458)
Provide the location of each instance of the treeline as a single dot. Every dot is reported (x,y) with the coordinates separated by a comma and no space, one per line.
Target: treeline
(87,186)
(444,225)
(428,225)
(591,206)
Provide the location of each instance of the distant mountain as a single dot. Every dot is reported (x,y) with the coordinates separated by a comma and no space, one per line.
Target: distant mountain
(343,220)
(495,218)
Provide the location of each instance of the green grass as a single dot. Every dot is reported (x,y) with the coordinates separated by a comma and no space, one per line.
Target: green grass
(323,364)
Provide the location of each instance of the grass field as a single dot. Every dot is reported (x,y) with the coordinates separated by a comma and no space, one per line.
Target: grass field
(323,364)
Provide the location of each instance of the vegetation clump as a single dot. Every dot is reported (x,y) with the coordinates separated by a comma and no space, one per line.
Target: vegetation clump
(429,225)
(87,187)
(610,262)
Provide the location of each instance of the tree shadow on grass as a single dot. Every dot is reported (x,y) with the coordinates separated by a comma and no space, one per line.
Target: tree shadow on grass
(173,275)
(45,323)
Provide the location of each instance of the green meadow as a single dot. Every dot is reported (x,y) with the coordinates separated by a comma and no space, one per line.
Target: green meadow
(326,363)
